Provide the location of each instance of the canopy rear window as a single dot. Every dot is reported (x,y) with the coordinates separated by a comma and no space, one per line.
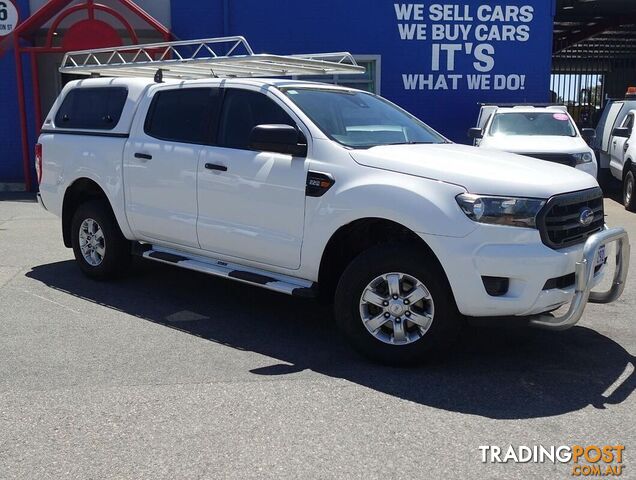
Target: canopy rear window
(92,108)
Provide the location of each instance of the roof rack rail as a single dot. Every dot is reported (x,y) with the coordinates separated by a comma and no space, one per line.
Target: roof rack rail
(205,58)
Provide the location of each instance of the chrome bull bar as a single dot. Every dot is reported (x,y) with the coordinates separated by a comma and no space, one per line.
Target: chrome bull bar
(584,275)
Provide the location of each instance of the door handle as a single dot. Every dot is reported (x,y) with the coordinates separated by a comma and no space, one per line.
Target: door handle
(143,156)
(214,166)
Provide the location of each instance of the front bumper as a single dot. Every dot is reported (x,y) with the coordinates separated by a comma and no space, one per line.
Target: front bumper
(584,275)
(519,255)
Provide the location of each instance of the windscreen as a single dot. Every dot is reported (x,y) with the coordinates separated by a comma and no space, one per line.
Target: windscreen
(531,123)
(360,120)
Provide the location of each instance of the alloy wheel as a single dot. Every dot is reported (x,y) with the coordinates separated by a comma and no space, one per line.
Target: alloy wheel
(92,243)
(396,308)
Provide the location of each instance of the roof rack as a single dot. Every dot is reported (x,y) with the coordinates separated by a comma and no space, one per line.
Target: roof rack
(210,57)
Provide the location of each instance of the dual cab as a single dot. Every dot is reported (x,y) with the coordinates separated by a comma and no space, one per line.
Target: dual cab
(305,188)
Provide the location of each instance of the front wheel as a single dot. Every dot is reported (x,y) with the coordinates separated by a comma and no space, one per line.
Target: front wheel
(395,305)
(629,195)
(100,249)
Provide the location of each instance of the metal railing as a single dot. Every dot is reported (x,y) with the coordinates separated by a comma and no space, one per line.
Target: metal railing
(210,57)
(584,275)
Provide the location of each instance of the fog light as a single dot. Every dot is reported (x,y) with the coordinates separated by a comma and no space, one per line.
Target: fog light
(496,286)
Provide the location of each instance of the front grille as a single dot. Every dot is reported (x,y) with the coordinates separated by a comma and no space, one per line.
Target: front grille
(559,222)
(562,158)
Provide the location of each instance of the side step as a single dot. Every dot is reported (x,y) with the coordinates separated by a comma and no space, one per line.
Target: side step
(240,273)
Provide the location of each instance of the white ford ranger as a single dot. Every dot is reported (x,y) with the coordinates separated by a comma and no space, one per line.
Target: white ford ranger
(298,187)
(544,132)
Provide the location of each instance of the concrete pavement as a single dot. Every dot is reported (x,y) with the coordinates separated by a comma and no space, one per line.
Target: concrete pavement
(172,374)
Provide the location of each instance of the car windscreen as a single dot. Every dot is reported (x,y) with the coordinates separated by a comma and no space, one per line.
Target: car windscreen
(360,120)
(556,124)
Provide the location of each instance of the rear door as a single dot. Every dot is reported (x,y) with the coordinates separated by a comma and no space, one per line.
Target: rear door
(251,203)
(161,161)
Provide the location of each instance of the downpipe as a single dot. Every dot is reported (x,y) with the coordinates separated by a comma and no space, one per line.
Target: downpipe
(584,275)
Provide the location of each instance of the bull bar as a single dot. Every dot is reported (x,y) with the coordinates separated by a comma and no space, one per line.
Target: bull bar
(584,274)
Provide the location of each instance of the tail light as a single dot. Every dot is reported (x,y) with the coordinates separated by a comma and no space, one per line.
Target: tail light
(631,92)
(38,161)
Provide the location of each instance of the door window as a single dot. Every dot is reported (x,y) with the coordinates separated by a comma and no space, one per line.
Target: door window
(629,123)
(186,115)
(242,111)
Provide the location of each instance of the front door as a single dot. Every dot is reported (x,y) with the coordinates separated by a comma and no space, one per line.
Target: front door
(619,146)
(161,161)
(251,204)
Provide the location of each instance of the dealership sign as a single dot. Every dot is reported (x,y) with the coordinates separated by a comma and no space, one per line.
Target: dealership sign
(453,31)
(445,57)
(8,17)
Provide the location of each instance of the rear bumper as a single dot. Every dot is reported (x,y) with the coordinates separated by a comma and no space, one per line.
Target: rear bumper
(40,201)
(519,255)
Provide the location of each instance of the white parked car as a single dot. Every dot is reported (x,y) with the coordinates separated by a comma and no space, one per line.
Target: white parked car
(547,133)
(622,148)
(304,187)
(614,115)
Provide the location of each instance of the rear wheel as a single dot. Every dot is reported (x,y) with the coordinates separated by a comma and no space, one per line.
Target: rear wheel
(395,305)
(100,249)
(629,193)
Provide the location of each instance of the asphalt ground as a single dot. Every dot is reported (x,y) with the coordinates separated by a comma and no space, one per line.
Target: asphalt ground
(169,374)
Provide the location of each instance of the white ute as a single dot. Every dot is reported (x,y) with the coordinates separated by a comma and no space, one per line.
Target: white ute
(303,187)
(622,157)
(543,132)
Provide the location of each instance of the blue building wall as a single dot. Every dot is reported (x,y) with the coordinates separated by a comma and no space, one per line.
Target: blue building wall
(443,94)
(511,70)
(10,134)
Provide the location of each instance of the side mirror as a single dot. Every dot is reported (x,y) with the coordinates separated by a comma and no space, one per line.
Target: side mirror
(475,133)
(588,134)
(278,139)
(621,132)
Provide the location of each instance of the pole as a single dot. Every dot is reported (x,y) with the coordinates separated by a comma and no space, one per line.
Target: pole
(26,159)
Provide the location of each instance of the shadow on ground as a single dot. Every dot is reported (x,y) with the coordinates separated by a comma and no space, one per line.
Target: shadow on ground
(503,374)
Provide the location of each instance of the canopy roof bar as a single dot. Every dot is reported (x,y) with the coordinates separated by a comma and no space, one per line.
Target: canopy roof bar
(210,57)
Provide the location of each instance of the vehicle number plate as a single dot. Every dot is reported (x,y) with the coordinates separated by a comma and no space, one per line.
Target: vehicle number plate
(600,257)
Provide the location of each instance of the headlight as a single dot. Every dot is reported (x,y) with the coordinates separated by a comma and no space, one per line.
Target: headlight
(585,157)
(513,211)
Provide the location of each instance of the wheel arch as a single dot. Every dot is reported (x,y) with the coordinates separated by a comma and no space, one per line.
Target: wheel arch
(80,191)
(355,237)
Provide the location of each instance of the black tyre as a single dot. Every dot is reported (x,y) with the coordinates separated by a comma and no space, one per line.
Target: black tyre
(395,305)
(101,250)
(629,191)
